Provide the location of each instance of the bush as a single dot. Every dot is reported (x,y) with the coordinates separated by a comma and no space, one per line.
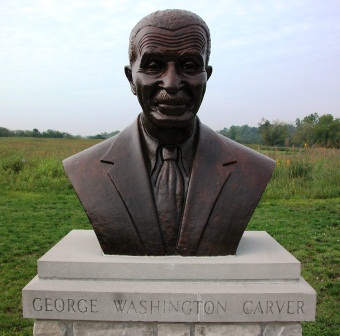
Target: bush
(13,164)
(299,169)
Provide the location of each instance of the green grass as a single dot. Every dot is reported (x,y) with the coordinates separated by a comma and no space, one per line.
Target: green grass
(38,207)
(31,223)
(309,229)
(309,173)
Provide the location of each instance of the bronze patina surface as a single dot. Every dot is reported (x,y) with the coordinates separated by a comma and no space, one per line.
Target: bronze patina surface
(167,184)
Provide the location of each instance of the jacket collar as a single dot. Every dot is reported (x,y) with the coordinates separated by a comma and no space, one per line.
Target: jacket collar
(212,165)
(129,174)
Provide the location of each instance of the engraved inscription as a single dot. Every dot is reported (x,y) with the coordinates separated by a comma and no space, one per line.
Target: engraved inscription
(157,307)
(273,307)
(134,307)
(65,305)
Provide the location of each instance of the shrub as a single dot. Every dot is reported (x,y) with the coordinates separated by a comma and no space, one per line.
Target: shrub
(299,168)
(13,164)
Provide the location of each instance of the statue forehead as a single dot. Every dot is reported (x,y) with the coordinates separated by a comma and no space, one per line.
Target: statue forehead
(190,37)
(170,19)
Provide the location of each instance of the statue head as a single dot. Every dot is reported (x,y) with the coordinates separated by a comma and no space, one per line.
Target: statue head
(169,53)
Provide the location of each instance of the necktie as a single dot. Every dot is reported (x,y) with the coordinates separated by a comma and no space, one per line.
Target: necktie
(169,192)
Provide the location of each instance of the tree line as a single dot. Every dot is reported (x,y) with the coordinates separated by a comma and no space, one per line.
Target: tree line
(35,133)
(312,130)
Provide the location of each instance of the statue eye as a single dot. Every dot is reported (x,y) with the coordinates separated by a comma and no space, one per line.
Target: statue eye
(153,66)
(189,66)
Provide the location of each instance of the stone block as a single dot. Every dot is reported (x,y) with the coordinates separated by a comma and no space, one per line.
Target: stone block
(228,329)
(76,282)
(112,329)
(78,256)
(173,329)
(282,329)
(169,302)
(49,328)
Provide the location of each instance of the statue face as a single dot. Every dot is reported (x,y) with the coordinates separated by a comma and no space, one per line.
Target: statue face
(169,74)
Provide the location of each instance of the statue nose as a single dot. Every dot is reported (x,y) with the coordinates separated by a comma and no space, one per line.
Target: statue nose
(171,79)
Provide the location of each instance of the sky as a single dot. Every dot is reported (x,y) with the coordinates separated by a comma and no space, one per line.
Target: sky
(62,62)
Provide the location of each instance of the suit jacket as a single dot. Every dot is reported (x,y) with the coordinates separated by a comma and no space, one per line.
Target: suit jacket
(113,184)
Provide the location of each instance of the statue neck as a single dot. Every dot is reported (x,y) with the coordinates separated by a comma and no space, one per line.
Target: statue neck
(167,135)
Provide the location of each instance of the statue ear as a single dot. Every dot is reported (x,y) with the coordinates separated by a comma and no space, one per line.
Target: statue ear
(209,71)
(128,74)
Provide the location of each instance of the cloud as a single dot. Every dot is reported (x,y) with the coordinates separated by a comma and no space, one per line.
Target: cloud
(65,53)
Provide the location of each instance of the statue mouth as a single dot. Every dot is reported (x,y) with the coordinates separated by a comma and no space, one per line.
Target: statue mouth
(172,109)
(172,105)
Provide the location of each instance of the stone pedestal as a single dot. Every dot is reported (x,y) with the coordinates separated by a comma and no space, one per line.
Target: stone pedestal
(79,291)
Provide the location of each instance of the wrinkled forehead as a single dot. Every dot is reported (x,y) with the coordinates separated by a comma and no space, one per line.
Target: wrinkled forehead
(159,40)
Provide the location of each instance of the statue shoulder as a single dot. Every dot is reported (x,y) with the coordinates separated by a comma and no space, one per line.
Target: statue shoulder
(88,157)
(248,160)
(87,169)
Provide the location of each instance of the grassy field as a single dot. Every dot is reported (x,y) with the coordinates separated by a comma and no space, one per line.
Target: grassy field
(300,209)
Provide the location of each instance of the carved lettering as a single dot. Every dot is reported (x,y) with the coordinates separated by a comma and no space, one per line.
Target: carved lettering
(70,305)
(119,305)
(37,304)
(81,306)
(258,308)
(131,307)
(185,308)
(223,308)
(175,307)
(269,307)
(209,307)
(172,305)
(142,304)
(59,305)
(273,307)
(290,306)
(48,304)
(300,307)
(155,306)
(93,305)
(198,307)
(64,305)
(278,306)
(247,307)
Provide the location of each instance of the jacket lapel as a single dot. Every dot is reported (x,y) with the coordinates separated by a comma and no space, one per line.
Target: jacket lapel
(129,174)
(212,165)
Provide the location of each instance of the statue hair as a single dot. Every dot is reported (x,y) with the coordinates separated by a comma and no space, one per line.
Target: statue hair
(171,19)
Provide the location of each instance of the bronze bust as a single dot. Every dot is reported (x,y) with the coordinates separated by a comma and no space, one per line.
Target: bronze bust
(167,184)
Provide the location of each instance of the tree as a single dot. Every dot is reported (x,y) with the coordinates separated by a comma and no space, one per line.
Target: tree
(305,129)
(327,131)
(273,134)
(35,133)
(291,129)
(98,136)
(106,135)
(4,132)
(22,133)
(242,134)
(52,134)
(249,135)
